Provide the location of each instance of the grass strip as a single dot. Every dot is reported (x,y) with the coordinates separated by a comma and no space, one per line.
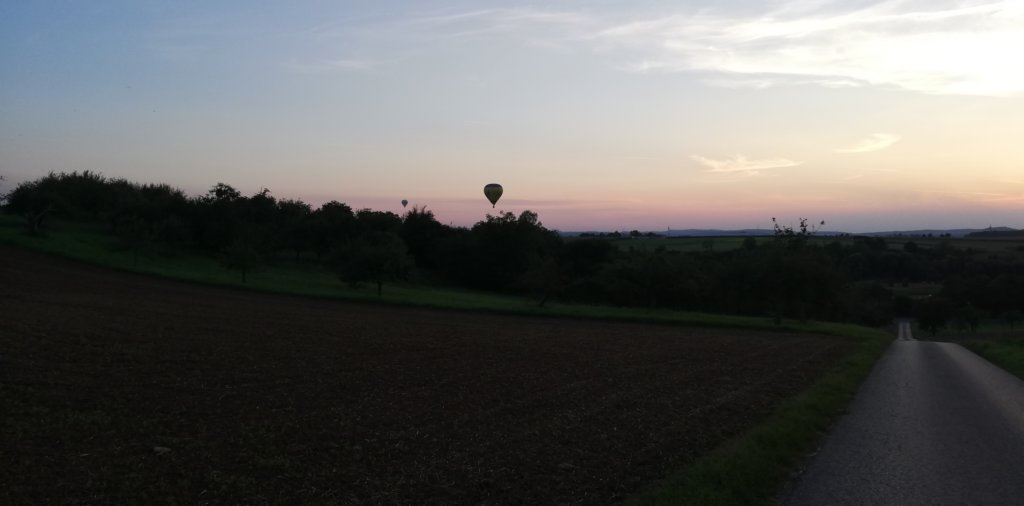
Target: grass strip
(1007,353)
(91,243)
(754,467)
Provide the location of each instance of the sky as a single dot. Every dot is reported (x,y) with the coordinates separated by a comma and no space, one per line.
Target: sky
(597,115)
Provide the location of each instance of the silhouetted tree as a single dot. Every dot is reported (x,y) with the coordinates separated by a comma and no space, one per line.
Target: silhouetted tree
(794,238)
(34,201)
(933,314)
(870,303)
(217,216)
(790,276)
(378,221)
(333,224)
(800,277)
(967,317)
(1012,317)
(221,192)
(294,226)
(903,306)
(544,280)
(171,233)
(376,257)
(260,209)
(243,254)
(503,247)
(422,234)
(134,235)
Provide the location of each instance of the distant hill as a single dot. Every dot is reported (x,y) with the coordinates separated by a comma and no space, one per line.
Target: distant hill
(699,232)
(996,232)
(761,232)
(953,232)
(692,232)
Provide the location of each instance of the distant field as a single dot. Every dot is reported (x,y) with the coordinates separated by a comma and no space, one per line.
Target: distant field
(1003,246)
(123,388)
(682,244)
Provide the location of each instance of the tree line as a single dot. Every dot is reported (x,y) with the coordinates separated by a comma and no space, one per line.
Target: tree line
(786,276)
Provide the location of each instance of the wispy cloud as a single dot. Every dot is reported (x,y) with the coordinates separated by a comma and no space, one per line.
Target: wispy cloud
(926,47)
(740,164)
(503,17)
(383,42)
(941,47)
(873,142)
(550,29)
(333,65)
(980,196)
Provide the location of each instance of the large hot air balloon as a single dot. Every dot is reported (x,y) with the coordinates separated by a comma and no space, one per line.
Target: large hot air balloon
(493,193)
(405,203)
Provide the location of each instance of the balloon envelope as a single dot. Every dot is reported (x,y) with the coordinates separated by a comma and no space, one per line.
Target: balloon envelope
(405,202)
(493,193)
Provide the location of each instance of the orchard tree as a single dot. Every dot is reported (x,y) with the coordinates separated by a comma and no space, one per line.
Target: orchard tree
(1012,316)
(35,201)
(332,225)
(544,279)
(933,314)
(375,257)
(243,253)
(134,235)
(423,234)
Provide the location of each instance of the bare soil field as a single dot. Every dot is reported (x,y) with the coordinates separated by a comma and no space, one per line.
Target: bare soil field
(119,388)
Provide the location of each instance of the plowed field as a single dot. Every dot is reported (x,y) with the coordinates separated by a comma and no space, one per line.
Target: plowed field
(116,387)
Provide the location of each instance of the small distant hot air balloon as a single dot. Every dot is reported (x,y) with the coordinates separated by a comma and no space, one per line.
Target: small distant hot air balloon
(405,203)
(493,193)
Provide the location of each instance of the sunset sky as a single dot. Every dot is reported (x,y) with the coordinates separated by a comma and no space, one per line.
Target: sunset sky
(598,115)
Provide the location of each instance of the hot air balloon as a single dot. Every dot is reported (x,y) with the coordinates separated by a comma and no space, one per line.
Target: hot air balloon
(493,193)
(405,203)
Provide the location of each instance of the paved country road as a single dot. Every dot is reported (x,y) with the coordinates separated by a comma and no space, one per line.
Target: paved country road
(933,424)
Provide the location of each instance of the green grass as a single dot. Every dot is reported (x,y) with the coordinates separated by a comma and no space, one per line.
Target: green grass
(91,243)
(994,340)
(754,467)
(1006,352)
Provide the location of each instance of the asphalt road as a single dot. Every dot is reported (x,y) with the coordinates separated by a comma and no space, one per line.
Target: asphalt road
(933,424)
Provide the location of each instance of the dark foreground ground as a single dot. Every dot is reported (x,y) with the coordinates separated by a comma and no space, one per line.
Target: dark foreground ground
(122,388)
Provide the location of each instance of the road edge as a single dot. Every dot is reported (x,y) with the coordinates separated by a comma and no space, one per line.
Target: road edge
(754,467)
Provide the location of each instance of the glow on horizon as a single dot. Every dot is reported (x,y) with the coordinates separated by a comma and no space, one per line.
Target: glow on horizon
(880,115)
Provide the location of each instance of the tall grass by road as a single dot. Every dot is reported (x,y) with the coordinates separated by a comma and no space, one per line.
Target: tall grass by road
(994,339)
(1006,353)
(754,467)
